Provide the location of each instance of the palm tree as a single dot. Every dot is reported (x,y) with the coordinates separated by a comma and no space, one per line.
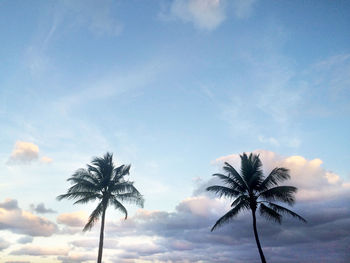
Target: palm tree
(104,182)
(252,191)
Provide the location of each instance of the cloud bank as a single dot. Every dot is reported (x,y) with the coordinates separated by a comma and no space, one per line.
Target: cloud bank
(183,235)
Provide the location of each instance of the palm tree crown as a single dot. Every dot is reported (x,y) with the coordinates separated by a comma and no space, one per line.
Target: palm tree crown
(105,183)
(251,190)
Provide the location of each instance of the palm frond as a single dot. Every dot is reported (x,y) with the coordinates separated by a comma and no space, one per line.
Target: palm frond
(230,214)
(283,210)
(84,182)
(94,216)
(120,188)
(269,214)
(95,171)
(283,194)
(88,198)
(121,171)
(241,198)
(251,170)
(236,177)
(74,195)
(83,187)
(133,198)
(119,206)
(223,191)
(277,175)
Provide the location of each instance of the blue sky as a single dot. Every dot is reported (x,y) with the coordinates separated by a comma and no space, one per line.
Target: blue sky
(170,87)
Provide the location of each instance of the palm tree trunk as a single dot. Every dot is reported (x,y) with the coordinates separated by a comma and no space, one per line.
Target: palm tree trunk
(100,246)
(257,239)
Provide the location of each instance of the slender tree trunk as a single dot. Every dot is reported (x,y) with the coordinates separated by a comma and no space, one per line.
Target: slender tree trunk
(100,246)
(257,239)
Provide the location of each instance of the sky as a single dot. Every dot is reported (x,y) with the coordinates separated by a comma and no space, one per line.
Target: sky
(174,88)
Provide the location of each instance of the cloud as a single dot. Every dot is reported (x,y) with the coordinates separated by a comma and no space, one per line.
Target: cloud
(204,14)
(40,251)
(207,14)
(25,240)
(16,220)
(74,219)
(76,258)
(9,204)
(184,234)
(332,76)
(93,243)
(313,181)
(270,140)
(46,159)
(4,244)
(41,209)
(25,153)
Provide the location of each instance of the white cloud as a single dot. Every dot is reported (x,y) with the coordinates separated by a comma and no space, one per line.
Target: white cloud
(208,14)
(25,153)
(313,181)
(204,14)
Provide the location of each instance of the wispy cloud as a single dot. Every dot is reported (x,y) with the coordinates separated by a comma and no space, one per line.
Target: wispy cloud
(243,8)
(204,14)
(207,15)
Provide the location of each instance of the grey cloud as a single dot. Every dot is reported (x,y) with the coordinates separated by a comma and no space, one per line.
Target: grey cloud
(9,204)
(4,244)
(41,209)
(25,240)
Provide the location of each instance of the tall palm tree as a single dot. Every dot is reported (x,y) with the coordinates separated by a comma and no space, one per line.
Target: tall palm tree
(102,181)
(252,191)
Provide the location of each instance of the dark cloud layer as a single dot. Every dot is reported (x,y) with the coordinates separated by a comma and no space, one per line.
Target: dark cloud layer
(184,235)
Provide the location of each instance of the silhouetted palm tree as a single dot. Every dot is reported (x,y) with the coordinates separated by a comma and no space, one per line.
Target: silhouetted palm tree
(104,182)
(252,191)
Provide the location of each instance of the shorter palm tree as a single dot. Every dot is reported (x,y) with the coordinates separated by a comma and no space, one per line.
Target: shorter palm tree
(105,183)
(252,191)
